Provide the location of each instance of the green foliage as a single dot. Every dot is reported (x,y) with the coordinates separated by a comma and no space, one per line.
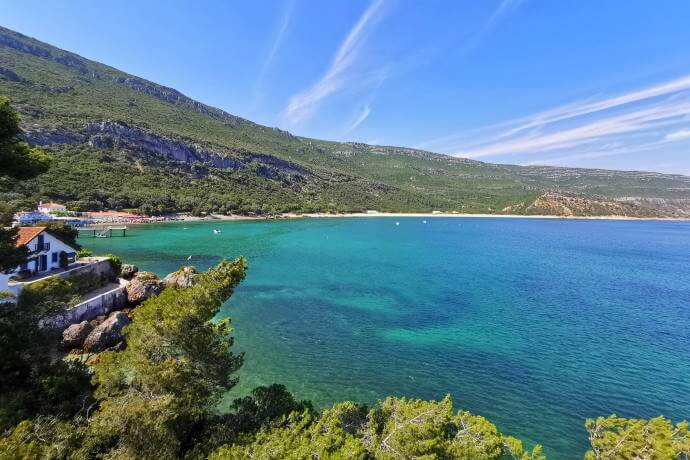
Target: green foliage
(64,92)
(45,437)
(64,259)
(18,160)
(83,252)
(32,382)
(397,428)
(10,255)
(176,366)
(616,438)
(263,407)
(115,263)
(87,281)
(49,295)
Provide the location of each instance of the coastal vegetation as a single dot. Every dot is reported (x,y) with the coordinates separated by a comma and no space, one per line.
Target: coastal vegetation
(19,162)
(122,142)
(158,398)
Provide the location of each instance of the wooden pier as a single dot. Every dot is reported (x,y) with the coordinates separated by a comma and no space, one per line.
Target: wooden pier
(104,232)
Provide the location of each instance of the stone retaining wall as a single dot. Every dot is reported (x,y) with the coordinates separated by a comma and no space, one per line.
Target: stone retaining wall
(99,305)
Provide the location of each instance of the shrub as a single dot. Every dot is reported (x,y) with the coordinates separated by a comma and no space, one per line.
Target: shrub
(7,297)
(115,263)
(83,252)
(86,282)
(64,260)
(49,295)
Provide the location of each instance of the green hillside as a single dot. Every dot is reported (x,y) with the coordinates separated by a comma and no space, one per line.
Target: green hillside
(123,142)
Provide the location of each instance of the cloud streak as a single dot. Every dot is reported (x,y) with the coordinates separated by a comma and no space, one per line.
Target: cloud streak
(303,105)
(636,121)
(280,34)
(363,115)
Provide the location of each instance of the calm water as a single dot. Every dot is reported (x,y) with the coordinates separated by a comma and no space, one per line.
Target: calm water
(535,324)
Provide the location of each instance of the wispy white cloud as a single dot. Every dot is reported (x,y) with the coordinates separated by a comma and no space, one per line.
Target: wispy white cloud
(678,135)
(303,105)
(268,60)
(659,115)
(640,120)
(534,122)
(503,8)
(363,115)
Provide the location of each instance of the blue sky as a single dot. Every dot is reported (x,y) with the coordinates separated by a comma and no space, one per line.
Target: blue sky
(579,83)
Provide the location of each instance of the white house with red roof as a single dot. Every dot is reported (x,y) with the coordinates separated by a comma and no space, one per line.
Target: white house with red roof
(44,254)
(50,207)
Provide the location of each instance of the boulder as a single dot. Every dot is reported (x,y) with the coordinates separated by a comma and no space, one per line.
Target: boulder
(108,333)
(97,320)
(143,286)
(74,336)
(182,278)
(128,271)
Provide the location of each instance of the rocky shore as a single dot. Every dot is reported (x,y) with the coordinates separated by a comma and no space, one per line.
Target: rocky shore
(106,332)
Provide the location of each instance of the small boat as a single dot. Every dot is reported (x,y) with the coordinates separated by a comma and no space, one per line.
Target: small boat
(397,223)
(424,222)
(216,231)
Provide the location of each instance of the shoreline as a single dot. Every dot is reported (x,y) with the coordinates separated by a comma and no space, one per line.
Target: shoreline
(318,215)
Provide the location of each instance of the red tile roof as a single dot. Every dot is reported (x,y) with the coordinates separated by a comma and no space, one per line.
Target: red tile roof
(51,205)
(27,234)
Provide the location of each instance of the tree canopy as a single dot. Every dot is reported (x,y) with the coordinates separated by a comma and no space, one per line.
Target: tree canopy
(17,162)
(158,398)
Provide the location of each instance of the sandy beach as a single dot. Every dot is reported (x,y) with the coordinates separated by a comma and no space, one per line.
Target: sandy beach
(220,217)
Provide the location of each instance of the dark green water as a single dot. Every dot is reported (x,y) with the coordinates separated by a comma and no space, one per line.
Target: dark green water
(535,324)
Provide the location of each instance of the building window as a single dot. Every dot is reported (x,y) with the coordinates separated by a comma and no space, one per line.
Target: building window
(54,257)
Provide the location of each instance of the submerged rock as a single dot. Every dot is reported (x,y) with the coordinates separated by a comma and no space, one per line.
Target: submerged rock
(74,336)
(143,286)
(182,278)
(108,333)
(128,271)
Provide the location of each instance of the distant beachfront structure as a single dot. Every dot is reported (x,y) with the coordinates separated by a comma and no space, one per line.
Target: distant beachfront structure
(113,216)
(31,217)
(51,207)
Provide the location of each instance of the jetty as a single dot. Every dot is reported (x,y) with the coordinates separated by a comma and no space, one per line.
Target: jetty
(104,232)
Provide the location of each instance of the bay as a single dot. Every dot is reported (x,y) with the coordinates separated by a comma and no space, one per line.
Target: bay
(536,324)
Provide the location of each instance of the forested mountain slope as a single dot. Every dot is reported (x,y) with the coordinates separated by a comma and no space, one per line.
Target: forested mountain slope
(120,141)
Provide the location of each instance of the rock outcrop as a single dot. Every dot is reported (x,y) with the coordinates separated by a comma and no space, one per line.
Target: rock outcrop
(128,271)
(143,286)
(75,335)
(108,333)
(149,145)
(182,278)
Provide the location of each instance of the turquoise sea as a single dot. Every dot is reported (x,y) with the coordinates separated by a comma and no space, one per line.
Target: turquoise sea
(536,324)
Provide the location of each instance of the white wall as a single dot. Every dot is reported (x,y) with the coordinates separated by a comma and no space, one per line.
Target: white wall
(56,247)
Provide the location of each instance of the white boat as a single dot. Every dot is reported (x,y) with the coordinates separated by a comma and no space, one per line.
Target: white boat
(216,231)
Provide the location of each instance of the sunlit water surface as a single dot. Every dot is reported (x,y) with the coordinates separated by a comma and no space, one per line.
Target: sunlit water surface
(536,324)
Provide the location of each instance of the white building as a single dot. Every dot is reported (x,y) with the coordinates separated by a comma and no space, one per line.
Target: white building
(44,254)
(31,217)
(50,207)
